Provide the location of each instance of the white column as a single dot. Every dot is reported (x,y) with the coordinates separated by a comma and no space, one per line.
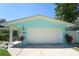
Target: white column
(11,36)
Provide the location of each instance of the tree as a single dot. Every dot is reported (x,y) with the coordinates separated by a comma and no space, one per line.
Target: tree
(67,11)
(2,20)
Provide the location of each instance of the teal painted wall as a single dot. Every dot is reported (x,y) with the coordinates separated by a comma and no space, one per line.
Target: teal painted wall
(39,23)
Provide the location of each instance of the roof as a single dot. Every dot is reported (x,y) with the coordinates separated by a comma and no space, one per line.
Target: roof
(72,29)
(27,18)
(38,16)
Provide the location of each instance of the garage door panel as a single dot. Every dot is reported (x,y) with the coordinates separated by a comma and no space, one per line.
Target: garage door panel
(41,36)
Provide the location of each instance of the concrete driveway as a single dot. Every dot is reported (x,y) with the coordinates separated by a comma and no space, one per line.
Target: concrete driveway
(43,52)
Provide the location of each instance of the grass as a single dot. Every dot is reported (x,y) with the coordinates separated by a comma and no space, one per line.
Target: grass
(77,49)
(4,52)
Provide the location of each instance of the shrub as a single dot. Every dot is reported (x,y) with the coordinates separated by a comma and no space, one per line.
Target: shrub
(68,39)
(4,35)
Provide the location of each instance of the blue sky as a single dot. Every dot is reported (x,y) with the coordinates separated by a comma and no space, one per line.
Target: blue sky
(11,11)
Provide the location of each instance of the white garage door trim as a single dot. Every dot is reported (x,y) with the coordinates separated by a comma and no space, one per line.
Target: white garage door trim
(44,36)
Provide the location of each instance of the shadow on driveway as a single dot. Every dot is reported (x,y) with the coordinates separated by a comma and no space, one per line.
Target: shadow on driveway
(19,45)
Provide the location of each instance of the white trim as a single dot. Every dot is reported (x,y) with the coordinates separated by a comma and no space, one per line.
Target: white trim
(11,36)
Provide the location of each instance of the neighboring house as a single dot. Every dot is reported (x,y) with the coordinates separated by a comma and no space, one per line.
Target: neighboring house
(39,29)
(74,31)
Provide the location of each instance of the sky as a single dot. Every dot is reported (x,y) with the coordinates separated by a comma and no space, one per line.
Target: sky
(12,11)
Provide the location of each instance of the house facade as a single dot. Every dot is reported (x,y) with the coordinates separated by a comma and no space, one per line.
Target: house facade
(39,30)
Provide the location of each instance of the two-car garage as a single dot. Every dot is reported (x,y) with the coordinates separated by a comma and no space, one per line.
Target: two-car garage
(40,29)
(44,36)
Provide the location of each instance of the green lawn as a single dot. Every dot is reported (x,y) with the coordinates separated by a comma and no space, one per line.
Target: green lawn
(77,49)
(4,52)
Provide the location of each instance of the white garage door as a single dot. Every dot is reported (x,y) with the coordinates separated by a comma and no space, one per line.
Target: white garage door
(44,36)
